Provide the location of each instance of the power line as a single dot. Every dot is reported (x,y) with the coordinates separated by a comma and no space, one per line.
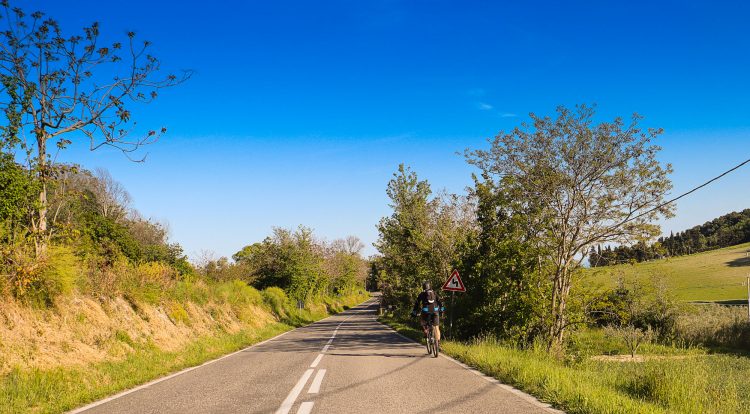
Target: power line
(691,191)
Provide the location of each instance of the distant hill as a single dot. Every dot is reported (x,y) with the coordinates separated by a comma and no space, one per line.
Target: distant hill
(728,230)
(716,275)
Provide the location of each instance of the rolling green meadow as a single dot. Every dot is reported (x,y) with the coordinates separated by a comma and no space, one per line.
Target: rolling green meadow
(717,275)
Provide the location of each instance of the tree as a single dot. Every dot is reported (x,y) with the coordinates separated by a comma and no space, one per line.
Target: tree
(586,184)
(59,87)
(403,236)
(500,261)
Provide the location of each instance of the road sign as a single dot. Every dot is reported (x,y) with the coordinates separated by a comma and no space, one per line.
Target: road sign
(454,283)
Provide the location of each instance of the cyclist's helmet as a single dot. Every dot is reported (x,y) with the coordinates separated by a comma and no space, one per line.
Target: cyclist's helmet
(426,285)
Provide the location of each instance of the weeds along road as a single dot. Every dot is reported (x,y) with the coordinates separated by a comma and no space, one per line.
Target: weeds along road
(348,363)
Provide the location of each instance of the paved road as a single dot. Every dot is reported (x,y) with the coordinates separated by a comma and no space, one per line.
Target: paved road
(348,363)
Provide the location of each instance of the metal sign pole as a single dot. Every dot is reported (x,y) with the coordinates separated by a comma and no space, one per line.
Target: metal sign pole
(450,329)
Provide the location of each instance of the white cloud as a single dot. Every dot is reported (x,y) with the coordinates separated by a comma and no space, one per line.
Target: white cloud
(508,115)
(476,92)
(484,106)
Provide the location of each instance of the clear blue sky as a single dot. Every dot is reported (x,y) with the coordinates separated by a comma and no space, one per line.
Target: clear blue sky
(299,112)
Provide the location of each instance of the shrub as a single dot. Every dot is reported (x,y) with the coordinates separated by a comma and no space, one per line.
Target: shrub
(631,336)
(60,272)
(278,301)
(177,313)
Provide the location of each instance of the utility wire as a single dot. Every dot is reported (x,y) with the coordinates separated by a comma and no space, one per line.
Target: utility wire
(691,191)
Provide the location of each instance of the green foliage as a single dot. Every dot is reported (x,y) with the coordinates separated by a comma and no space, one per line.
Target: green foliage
(583,184)
(502,265)
(306,269)
(18,190)
(403,241)
(177,313)
(278,301)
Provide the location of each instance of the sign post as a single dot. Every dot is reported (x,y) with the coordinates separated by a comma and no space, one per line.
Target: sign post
(453,285)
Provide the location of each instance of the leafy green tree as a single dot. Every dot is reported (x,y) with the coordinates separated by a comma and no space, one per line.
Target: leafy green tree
(17,192)
(501,263)
(586,184)
(403,237)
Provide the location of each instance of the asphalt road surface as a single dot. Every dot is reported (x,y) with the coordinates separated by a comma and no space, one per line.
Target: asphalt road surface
(348,363)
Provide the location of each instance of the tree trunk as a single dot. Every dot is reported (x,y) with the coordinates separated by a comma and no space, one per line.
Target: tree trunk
(560,290)
(41,227)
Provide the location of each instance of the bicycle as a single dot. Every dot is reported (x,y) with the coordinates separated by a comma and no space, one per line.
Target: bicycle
(433,343)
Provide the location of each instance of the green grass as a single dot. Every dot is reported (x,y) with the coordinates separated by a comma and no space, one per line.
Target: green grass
(57,390)
(717,275)
(62,389)
(685,381)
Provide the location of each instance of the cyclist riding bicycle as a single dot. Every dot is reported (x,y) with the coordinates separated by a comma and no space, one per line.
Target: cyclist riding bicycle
(428,305)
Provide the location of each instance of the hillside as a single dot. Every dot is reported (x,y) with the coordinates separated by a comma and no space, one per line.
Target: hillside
(716,275)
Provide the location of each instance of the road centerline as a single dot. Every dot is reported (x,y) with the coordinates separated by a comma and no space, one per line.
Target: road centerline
(316,361)
(317,381)
(306,407)
(294,393)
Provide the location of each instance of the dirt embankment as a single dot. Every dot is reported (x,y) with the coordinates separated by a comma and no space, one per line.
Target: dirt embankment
(81,330)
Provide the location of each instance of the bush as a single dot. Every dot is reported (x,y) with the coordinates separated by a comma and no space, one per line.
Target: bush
(278,301)
(61,272)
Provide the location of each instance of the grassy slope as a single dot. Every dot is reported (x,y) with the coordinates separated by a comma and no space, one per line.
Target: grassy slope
(716,275)
(687,382)
(64,388)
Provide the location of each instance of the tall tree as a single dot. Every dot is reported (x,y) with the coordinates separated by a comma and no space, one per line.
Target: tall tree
(590,183)
(403,236)
(60,87)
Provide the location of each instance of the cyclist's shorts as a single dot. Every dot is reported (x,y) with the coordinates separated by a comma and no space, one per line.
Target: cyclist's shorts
(424,319)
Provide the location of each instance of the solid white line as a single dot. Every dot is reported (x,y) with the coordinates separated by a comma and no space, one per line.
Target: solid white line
(306,407)
(294,393)
(325,348)
(317,361)
(315,386)
(156,381)
(329,341)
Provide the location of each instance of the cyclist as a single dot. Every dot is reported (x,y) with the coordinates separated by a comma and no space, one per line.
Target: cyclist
(428,305)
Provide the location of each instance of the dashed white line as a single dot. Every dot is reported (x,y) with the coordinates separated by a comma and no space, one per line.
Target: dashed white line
(305,407)
(317,361)
(315,386)
(289,401)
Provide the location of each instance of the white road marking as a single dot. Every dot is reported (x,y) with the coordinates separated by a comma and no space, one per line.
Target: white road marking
(329,341)
(294,393)
(315,386)
(305,407)
(325,348)
(317,361)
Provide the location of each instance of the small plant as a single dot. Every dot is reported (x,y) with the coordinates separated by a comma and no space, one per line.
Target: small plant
(632,336)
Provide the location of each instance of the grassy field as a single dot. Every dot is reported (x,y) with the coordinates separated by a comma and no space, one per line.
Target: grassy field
(668,380)
(717,275)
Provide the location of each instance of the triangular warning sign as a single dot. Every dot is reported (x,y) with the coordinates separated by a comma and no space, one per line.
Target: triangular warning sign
(454,283)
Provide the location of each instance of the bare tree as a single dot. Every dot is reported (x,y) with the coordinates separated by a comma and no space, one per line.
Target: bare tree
(579,185)
(112,197)
(58,87)
(350,245)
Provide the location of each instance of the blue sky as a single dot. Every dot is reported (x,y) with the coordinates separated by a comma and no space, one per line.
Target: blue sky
(299,112)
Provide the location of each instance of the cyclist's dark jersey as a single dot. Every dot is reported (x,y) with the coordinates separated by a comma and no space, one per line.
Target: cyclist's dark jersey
(428,300)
